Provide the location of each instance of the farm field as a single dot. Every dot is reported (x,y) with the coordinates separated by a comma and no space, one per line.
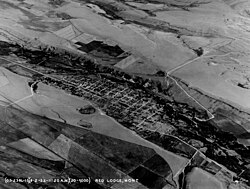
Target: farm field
(199,179)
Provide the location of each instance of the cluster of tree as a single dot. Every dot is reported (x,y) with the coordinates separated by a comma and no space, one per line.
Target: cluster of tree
(56,2)
(6,48)
(87,110)
(199,51)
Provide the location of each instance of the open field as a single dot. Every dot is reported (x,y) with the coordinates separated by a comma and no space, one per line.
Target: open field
(216,80)
(14,87)
(200,179)
(28,146)
(54,104)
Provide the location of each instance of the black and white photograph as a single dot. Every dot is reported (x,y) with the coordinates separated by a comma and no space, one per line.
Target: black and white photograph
(124,94)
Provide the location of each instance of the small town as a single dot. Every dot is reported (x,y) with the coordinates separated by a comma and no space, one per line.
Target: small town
(117,100)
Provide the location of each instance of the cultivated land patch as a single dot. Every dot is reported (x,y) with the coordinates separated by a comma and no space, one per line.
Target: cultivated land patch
(16,88)
(200,179)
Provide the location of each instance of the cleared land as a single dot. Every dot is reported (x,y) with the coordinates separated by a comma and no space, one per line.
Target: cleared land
(200,179)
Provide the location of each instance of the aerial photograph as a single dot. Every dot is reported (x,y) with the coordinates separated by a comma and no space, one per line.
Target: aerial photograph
(124,94)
